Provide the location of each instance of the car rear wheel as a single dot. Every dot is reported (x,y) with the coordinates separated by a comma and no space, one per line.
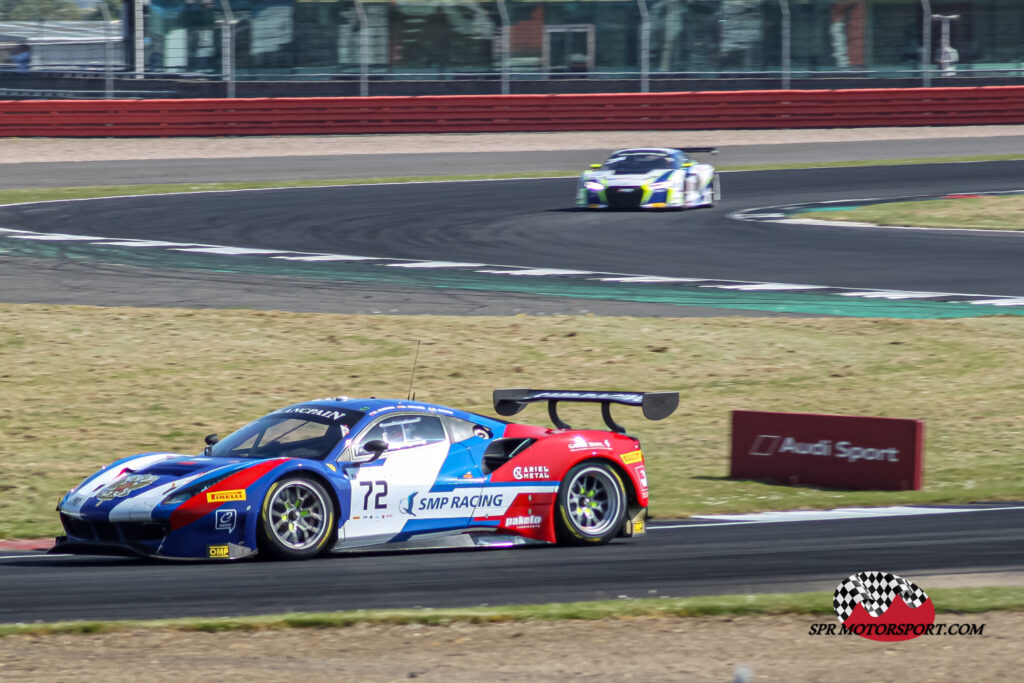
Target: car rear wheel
(591,505)
(296,520)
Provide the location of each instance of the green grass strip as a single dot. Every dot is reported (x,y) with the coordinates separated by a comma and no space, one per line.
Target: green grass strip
(43,194)
(994,212)
(870,162)
(817,604)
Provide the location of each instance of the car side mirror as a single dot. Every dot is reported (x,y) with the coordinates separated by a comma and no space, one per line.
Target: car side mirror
(595,166)
(210,440)
(375,448)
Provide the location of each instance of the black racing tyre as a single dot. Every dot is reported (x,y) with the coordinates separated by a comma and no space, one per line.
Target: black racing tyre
(591,505)
(297,519)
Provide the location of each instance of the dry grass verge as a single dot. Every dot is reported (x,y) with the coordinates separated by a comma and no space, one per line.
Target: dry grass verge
(976,213)
(82,386)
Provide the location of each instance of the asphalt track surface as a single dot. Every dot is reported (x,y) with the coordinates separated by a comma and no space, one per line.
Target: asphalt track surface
(527,223)
(300,167)
(521,223)
(680,559)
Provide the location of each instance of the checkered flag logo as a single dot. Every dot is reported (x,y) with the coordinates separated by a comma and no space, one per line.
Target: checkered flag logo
(876,592)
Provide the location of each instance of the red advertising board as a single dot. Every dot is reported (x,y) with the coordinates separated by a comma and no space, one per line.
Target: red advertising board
(827,450)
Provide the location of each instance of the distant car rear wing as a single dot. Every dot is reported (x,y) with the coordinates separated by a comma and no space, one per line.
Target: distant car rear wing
(656,405)
(698,150)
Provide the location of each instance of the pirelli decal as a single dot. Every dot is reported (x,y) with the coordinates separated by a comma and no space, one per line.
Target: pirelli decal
(632,457)
(225,496)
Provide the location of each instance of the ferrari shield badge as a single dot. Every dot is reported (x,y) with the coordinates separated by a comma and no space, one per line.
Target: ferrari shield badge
(122,487)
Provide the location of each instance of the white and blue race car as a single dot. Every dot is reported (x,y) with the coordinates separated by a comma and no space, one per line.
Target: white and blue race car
(650,178)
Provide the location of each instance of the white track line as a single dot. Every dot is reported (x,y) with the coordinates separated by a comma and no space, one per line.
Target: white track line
(790,516)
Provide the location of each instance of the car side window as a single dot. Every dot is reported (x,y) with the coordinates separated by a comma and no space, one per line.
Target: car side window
(405,431)
(461,429)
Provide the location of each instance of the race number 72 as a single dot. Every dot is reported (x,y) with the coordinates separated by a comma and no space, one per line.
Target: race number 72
(382,491)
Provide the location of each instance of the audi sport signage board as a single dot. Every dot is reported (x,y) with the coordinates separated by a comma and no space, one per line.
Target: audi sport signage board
(827,450)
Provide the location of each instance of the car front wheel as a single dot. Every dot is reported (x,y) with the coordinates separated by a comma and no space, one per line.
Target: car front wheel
(296,520)
(591,505)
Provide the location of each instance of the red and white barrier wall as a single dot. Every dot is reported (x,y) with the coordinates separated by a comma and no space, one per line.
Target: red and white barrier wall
(503,113)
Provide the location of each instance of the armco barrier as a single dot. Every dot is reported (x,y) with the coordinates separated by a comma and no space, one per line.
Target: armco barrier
(497,113)
(827,450)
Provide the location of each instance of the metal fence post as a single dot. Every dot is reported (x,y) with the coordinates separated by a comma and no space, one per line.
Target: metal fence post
(108,47)
(364,50)
(645,46)
(227,47)
(926,44)
(506,47)
(786,41)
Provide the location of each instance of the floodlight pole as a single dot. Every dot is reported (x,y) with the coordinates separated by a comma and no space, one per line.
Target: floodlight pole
(786,40)
(227,47)
(364,50)
(108,46)
(506,45)
(645,46)
(926,44)
(945,50)
(140,38)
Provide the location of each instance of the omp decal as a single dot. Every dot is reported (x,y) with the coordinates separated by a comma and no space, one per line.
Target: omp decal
(217,551)
(225,496)
(632,457)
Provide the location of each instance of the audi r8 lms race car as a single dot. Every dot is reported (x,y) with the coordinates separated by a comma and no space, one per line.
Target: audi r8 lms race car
(341,472)
(649,178)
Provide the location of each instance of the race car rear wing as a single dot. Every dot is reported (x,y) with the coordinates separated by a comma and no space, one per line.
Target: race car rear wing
(698,150)
(656,405)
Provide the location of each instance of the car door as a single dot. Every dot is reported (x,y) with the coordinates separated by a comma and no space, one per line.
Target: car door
(402,492)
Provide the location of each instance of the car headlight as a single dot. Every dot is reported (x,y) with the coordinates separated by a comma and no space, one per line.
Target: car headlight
(659,186)
(184,494)
(593,186)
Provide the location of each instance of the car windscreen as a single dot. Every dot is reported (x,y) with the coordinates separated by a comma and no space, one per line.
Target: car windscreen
(309,432)
(628,164)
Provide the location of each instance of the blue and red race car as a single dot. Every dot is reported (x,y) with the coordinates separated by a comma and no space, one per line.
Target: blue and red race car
(341,473)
